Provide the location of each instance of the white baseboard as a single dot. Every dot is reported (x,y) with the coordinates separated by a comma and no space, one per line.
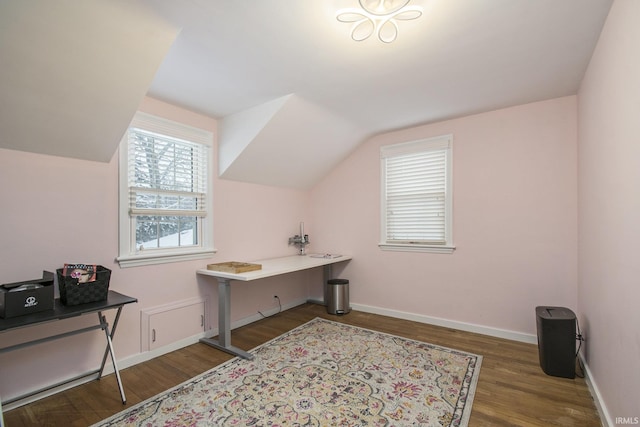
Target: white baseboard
(135,359)
(453,324)
(148,355)
(108,369)
(469,327)
(605,417)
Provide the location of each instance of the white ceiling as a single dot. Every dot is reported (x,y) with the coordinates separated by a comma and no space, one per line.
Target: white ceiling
(294,93)
(73,73)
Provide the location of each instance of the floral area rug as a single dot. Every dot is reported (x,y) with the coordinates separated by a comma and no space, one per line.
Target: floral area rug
(322,373)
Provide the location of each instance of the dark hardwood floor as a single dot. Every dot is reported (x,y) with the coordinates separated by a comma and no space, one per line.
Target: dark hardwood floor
(512,390)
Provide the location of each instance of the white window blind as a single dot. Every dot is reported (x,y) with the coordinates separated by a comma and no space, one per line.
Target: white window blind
(167,176)
(416,193)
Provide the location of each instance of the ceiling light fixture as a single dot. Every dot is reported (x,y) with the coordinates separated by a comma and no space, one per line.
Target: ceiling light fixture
(378,16)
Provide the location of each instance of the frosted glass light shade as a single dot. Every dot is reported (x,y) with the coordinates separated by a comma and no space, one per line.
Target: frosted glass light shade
(378,17)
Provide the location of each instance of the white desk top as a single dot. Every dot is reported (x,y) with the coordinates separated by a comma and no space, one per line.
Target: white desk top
(277,266)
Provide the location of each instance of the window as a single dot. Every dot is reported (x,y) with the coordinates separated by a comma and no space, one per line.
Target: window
(165,192)
(416,195)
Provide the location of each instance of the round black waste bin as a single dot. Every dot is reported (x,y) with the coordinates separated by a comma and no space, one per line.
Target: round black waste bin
(338,294)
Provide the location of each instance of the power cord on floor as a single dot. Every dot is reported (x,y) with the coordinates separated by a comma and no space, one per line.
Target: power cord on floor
(279,309)
(580,339)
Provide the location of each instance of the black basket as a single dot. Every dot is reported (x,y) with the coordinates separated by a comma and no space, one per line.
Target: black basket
(74,293)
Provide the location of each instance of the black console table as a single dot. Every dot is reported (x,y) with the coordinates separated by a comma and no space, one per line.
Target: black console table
(59,312)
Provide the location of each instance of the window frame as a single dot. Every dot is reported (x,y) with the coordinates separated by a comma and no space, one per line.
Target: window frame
(444,143)
(128,255)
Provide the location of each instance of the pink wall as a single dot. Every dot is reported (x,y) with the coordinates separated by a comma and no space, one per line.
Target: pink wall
(514,221)
(522,179)
(609,211)
(57,210)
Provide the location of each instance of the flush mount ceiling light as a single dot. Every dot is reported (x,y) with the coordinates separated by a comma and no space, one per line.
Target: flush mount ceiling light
(379,17)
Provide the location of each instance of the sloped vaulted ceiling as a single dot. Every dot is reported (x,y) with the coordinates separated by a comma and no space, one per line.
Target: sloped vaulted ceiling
(74,73)
(288,142)
(293,92)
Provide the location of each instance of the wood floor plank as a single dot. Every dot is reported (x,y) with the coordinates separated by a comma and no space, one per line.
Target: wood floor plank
(512,388)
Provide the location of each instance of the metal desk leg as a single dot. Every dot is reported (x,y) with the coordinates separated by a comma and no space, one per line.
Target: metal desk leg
(113,332)
(224,322)
(327,274)
(109,335)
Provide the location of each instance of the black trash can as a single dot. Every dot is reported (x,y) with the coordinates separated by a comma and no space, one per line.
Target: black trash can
(556,328)
(338,296)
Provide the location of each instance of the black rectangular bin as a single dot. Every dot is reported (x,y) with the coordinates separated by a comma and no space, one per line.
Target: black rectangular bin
(556,328)
(31,296)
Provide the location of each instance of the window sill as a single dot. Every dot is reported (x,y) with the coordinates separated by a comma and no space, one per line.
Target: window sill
(399,247)
(162,258)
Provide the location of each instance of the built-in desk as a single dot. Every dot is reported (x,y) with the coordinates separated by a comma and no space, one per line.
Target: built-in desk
(60,311)
(270,267)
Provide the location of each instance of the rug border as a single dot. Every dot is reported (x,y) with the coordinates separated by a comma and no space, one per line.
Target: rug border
(466,414)
(464,420)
